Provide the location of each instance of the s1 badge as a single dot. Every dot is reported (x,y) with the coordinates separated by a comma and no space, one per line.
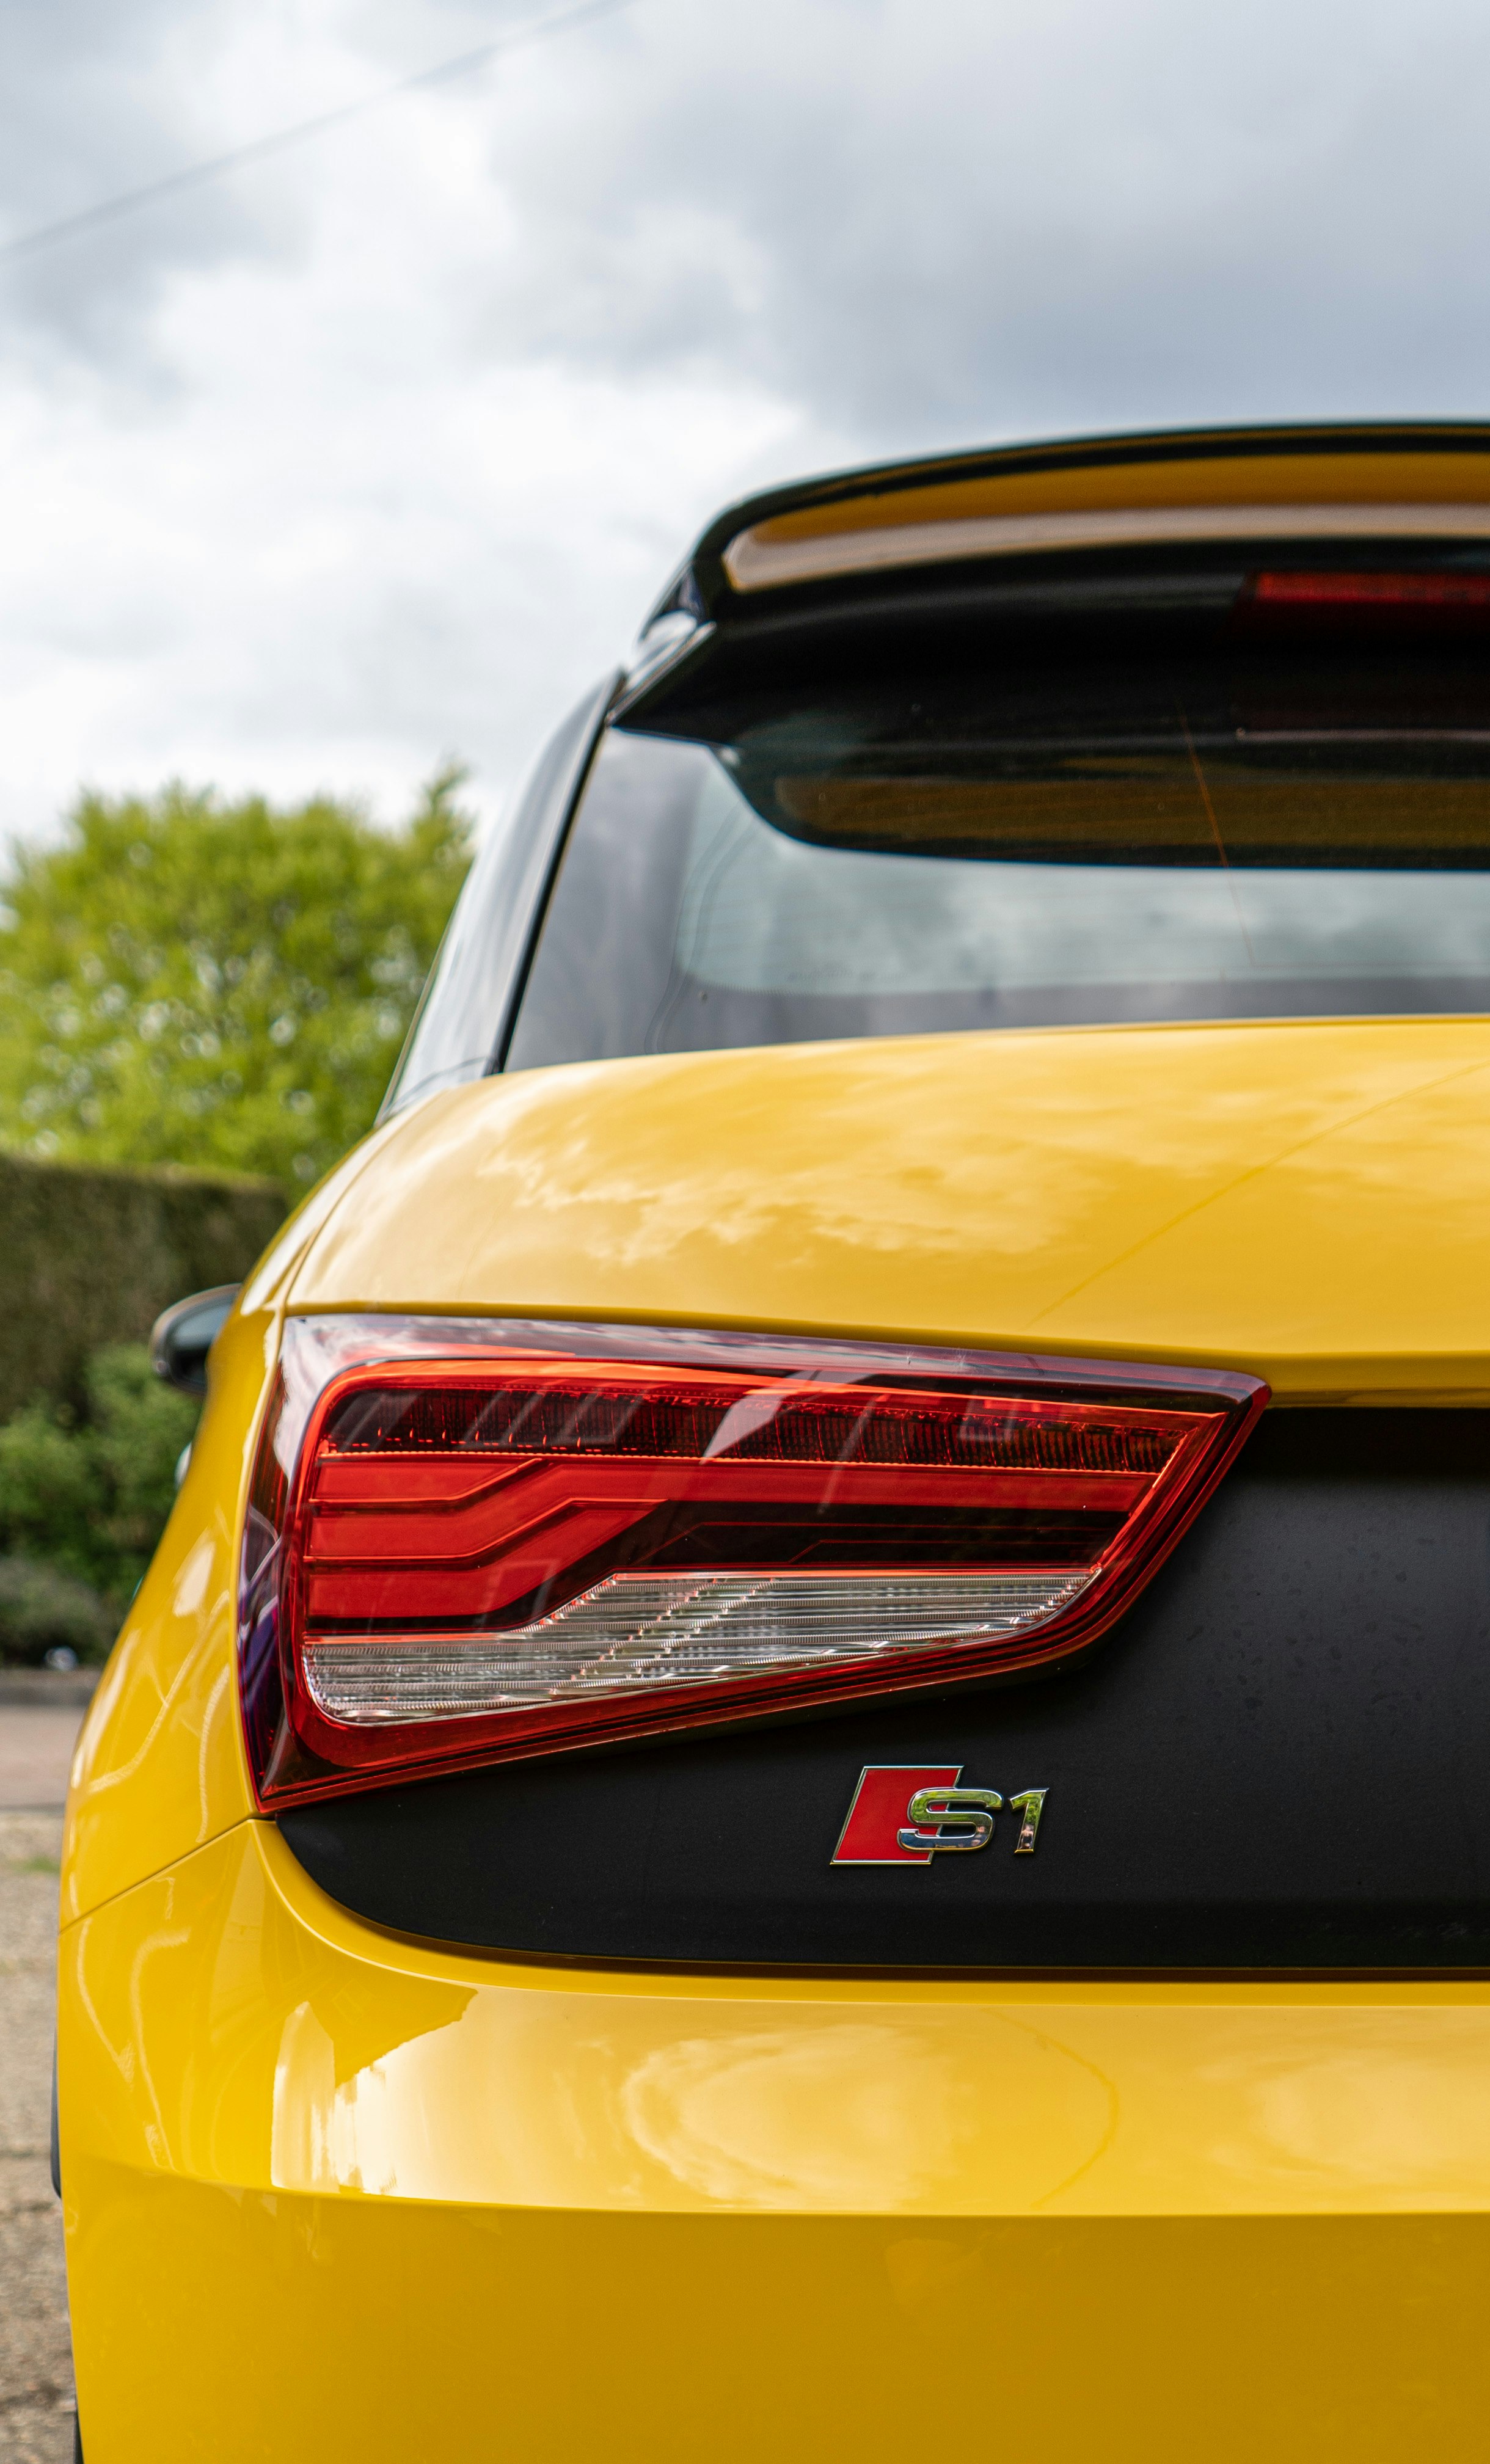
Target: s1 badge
(905,1813)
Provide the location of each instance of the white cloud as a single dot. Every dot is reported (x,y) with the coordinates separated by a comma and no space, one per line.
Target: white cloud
(377,451)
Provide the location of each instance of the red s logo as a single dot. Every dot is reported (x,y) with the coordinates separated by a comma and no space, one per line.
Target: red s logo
(905,1813)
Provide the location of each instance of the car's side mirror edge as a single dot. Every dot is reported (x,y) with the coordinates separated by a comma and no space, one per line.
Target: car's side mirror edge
(184,1335)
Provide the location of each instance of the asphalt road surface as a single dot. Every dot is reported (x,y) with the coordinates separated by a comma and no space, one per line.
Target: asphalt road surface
(36,2406)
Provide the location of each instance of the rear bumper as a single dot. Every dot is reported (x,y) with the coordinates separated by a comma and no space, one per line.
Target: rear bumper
(329,2193)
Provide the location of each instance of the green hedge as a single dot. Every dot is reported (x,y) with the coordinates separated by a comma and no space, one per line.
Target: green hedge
(90,1256)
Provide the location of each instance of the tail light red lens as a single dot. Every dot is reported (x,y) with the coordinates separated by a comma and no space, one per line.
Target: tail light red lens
(1356,603)
(494,1541)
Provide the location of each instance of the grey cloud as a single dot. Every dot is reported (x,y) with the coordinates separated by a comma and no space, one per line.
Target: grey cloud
(97,102)
(931,224)
(916,223)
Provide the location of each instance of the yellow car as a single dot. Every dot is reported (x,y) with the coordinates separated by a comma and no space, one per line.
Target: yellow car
(807,1769)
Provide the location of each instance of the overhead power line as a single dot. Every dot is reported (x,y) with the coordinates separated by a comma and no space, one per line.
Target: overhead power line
(195,175)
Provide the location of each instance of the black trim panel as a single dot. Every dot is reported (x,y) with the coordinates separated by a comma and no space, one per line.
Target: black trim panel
(1279,1759)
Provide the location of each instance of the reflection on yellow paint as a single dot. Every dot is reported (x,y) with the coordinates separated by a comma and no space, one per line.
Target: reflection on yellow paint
(1405,2117)
(302,2132)
(854,2115)
(845,2116)
(228,2023)
(528,2096)
(1262,1196)
(375,2132)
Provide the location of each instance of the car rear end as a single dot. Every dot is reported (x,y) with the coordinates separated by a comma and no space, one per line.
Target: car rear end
(806,1759)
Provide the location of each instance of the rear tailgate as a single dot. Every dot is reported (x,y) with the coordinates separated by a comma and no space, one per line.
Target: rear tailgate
(1272,1761)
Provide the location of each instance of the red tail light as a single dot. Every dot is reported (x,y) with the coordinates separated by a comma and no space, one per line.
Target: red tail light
(538,1539)
(1355,603)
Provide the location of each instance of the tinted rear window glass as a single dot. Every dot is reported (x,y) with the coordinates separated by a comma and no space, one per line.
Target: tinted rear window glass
(1284,833)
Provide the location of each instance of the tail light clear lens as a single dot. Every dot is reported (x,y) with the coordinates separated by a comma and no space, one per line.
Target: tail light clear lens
(473,1541)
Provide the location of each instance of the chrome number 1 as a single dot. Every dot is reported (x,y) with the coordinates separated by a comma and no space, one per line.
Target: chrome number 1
(1031,1803)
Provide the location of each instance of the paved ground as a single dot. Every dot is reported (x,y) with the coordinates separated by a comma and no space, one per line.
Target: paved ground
(36,1748)
(36,2364)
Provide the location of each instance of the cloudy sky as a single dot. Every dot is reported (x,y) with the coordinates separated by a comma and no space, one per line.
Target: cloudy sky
(374,450)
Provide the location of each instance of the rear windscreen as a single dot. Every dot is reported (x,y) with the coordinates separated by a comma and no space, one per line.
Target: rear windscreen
(1277,833)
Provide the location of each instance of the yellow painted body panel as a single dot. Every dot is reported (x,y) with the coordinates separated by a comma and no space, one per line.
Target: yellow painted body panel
(347,2060)
(1308,1202)
(329,2193)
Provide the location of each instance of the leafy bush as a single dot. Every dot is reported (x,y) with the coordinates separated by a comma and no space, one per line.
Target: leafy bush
(85,1493)
(188,980)
(43,1610)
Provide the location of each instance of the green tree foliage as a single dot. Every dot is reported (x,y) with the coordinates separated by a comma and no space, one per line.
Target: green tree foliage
(185,979)
(87,1491)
